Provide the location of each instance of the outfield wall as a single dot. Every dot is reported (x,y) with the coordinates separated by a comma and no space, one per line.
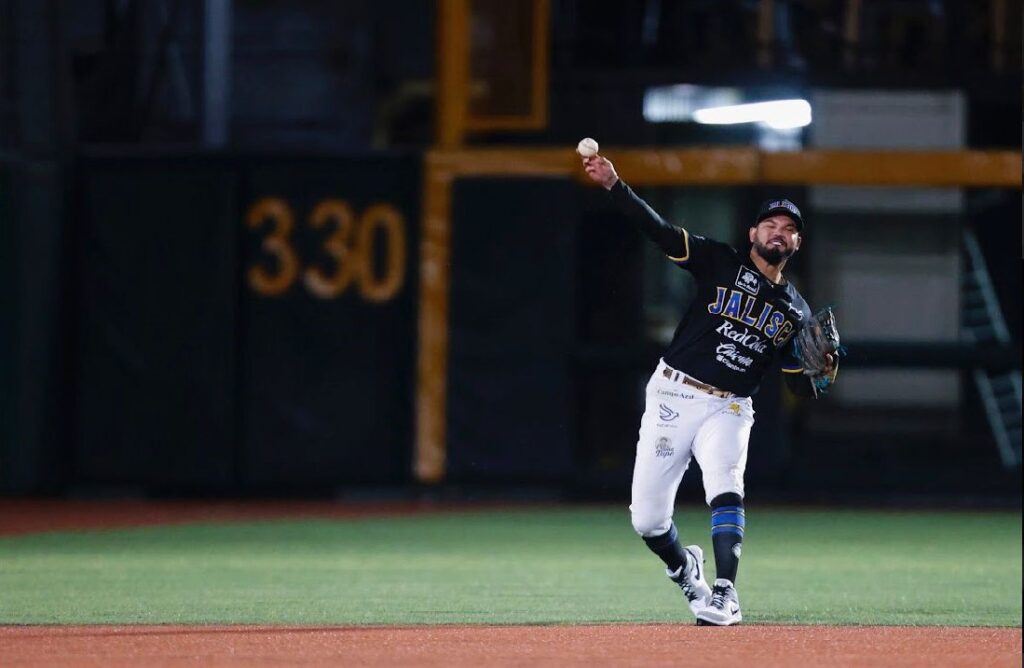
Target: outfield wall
(244,324)
(256,325)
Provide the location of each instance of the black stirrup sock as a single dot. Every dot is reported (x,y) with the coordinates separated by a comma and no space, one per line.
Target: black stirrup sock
(727,523)
(668,548)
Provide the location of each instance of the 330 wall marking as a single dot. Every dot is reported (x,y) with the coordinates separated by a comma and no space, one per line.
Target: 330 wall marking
(350,245)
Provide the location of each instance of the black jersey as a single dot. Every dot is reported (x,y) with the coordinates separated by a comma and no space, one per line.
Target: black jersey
(738,322)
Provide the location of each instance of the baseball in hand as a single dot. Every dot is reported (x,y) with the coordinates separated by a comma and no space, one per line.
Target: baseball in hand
(587,147)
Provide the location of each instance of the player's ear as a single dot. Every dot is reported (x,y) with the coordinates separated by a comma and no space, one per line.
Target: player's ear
(753,234)
(799,240)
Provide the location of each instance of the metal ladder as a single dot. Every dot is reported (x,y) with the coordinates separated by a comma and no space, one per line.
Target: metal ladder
(982,322)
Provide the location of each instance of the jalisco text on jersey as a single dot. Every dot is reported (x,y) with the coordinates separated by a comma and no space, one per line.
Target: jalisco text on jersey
(737,306)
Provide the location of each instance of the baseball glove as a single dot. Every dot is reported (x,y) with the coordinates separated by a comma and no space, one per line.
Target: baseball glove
(816,339)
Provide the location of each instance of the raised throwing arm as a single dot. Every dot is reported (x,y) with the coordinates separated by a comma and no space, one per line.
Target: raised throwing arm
(669,238)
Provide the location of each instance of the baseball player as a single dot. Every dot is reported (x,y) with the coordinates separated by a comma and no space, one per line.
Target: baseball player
(744,316)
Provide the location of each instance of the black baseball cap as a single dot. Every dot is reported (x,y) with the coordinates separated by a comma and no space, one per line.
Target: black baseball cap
(785,207)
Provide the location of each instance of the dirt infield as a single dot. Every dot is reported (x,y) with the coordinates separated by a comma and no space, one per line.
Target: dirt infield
(639,645)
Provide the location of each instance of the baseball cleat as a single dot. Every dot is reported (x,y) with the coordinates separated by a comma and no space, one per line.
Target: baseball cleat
(724,608)
(690,579)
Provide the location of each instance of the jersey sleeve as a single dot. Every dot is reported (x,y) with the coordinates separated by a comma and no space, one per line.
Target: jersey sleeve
(689,251)
(698,253)
(793,373)
(790,363)
(792,368)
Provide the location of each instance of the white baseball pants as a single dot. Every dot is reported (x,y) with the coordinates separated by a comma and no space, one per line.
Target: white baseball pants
(681,422)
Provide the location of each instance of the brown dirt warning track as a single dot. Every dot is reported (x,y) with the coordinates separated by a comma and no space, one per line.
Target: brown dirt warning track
(25,516)
(564,646)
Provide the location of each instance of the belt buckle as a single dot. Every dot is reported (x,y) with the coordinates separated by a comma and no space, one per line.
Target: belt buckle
(705,387)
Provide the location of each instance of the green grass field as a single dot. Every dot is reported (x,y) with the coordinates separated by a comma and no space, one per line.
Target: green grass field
(559,566)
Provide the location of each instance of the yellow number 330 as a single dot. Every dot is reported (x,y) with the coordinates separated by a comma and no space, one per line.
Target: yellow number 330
(350,246)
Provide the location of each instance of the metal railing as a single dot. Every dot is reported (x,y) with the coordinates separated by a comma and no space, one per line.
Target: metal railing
(982,322)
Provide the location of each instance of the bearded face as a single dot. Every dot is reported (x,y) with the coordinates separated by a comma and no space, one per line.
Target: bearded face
(775,239)
(773,255)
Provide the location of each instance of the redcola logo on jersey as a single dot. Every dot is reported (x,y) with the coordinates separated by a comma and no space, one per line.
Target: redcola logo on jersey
(737,306)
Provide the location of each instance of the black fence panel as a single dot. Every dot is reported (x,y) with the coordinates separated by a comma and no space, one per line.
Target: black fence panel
(157,305)
(510,399)
(8,317)
(328,327)
(245,325)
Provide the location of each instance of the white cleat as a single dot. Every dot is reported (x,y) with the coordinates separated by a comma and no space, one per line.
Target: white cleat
(690,579)
(724,608)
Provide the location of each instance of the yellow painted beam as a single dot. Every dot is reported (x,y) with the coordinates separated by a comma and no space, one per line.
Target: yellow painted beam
(747,166)
(690,166)
(505,162)
(432,363)
(894,168)
(453,71)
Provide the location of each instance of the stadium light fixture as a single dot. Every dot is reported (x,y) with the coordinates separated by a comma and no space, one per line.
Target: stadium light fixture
(676,103)
(777,114)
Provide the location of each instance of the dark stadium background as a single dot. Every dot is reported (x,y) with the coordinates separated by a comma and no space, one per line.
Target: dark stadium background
(149,149)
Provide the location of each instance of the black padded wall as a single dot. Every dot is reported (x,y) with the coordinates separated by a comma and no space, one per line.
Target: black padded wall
(510,405)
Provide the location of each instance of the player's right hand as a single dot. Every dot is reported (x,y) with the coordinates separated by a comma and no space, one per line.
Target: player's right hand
(601,170)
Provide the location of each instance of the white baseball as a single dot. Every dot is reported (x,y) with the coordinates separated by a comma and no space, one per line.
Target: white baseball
(587,147)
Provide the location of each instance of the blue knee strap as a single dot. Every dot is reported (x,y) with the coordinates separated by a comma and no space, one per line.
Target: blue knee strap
(728,519)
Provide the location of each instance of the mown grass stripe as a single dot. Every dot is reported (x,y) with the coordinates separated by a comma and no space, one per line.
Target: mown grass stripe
(558,566)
